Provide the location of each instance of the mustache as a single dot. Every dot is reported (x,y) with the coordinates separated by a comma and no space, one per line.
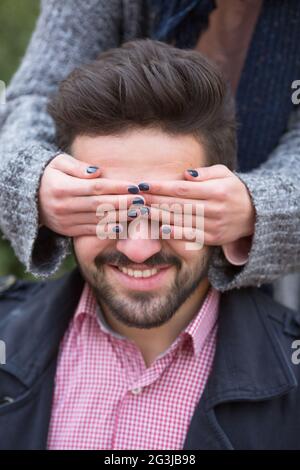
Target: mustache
(122,261)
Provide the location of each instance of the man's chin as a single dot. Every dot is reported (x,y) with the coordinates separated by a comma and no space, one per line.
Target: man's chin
(134,308)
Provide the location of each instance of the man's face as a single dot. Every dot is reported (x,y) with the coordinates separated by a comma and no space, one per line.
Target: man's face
(141,302)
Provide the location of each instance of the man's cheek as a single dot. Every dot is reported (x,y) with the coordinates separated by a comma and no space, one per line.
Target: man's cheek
(189,257)
(178,247)
(87,248)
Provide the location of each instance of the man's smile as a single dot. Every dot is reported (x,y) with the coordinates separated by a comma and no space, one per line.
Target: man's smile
(140,277)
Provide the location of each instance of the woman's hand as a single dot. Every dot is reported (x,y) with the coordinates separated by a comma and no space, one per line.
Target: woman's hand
(70,194)
(228,210)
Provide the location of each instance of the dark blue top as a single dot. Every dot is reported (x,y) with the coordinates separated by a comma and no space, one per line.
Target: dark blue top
(263,97)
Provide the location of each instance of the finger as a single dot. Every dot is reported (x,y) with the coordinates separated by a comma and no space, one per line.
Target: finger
(83,230)
(80,218)
(175,204)
(177,219)
(184,189)
(207,173)
(90,218)
(99,186)
(100,204)
(73,167)
(209,209)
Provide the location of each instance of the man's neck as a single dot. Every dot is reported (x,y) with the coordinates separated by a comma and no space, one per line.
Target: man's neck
(154,341)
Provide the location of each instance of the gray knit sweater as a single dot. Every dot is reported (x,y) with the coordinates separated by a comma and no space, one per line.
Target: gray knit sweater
(73,32)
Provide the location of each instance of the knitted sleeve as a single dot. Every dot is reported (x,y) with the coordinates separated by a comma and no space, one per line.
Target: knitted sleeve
(67,33)
(275,190)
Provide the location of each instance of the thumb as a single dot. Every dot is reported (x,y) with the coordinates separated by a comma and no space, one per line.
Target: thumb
(73,167)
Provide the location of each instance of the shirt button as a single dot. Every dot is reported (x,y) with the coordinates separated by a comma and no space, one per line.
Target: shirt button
(136,391)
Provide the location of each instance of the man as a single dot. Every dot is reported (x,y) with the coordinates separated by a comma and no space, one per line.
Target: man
(135,349)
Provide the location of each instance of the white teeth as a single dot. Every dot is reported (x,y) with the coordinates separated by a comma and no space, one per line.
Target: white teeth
(147,273)
(139,273)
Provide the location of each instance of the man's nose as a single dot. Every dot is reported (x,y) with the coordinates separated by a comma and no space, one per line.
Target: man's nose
(138,249)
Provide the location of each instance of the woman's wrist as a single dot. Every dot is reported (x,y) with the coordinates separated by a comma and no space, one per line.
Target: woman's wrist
(237,252)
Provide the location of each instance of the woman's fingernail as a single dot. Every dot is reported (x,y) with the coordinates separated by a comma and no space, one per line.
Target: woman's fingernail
(117,228)
(133,189)
(144,186)
(193,173)
(92,169)
(145,210)
(166,229)
(138,200)
(132,213)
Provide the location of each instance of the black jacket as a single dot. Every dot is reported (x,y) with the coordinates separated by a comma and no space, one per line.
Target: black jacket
(251,401)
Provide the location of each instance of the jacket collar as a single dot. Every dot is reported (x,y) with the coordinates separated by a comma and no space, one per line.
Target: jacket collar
(33,331)
(249,364)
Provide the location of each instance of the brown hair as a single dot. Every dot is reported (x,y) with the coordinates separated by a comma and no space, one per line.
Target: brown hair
(148,83)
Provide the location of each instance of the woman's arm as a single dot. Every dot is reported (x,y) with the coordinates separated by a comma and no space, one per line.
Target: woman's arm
(275,191)
(67,33)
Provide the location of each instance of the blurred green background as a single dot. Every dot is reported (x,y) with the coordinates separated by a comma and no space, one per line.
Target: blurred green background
(18,18)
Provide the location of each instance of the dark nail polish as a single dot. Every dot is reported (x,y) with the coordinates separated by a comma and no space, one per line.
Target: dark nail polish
(133,189)
(138,200)
(144,186)
(193,173)
(117,229)
(132,213)
(166,229)
(145,210)
(92,169)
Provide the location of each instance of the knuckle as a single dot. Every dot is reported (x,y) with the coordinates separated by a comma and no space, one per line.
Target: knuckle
(217,239)
(54,163)
(59,208)
(221,192)
(218,235)
(97,187)
(91,230)
(222,168)
(181,190)
(208,238)
(156,188)
(95,204)
(59,191)
(64,225)
(217,211)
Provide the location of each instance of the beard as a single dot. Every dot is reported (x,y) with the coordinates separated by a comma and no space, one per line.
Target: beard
(145,309)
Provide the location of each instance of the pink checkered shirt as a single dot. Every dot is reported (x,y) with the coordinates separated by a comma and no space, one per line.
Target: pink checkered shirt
(106,398)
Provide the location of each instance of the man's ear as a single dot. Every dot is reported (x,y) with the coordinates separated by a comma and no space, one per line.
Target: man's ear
(238,252)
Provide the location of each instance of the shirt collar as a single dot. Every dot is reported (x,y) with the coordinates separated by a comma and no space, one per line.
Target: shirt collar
(197,330)
(202,324)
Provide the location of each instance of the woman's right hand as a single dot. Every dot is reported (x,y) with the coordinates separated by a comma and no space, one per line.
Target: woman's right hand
(69,196)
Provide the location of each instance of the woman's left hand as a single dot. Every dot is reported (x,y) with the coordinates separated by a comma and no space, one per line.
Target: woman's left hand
(228,210)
